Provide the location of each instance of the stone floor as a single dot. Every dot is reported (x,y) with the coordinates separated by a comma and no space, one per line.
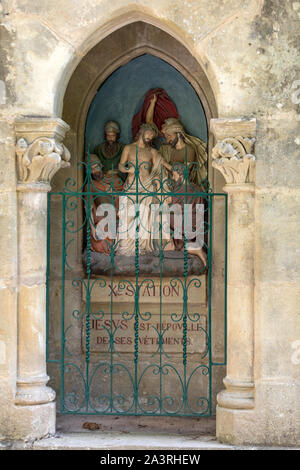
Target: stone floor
(131,433)
(139,424)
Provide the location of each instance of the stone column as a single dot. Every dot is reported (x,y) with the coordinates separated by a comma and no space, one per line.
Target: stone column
(232,156)
(40,154)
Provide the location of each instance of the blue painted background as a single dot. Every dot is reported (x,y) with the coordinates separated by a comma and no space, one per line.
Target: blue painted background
(122,95)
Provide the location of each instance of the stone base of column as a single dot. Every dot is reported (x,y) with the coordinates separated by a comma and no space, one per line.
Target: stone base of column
(235,415)
(273,421)
(35,410)
(34,422)
(34,391)
(235,427)
(239,395)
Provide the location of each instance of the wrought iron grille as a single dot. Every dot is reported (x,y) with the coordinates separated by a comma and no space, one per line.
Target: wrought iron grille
(164,364)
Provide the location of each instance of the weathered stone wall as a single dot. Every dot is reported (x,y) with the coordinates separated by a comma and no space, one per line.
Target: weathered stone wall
(250,55)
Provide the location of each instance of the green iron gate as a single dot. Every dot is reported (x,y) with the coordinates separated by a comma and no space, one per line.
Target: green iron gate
(149,371)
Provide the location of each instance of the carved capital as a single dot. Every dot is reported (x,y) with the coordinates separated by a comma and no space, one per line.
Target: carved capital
(233,153)
(40,152)
(39,160)
(233,159)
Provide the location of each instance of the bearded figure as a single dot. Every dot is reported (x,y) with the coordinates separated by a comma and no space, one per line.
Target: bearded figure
(185,149)
(106,177)
(159,111)
(146,170)
(108,153)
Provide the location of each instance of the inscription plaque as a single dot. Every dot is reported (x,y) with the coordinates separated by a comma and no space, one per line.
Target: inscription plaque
(160,319)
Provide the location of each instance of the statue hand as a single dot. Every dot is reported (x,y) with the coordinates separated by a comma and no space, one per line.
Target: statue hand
(129,168)
(175,175)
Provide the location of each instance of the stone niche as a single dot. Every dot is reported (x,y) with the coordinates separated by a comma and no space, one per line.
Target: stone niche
(160,320)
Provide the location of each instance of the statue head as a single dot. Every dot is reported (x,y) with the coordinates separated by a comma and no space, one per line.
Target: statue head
(169,122)
(147,132)
(111,132)
(173,132)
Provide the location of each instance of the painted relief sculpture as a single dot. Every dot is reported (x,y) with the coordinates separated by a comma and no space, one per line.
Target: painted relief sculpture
(162,171)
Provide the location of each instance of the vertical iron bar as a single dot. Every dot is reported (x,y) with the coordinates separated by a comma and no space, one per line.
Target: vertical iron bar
(210,201)
(112,254)
(88,295)
(161,255)
(185,296)
(48,275)
(62,352)
(225,280)
(136,298)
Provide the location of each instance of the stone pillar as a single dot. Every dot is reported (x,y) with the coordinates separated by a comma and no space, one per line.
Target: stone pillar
(232,156)
(40,154)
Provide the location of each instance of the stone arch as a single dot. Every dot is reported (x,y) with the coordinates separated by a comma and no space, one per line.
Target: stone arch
(133,38)
(121,19)
(114,51)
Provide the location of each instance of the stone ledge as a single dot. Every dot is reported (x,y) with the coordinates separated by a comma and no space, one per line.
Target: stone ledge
(173,264)
(97,440)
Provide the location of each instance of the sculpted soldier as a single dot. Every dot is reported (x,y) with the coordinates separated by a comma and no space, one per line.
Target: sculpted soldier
(106,176)
(177,139)
(108,153)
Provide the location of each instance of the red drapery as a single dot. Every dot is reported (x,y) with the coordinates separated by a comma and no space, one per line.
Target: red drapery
(164,108)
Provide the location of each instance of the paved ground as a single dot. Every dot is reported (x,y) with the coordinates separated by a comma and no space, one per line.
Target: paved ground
(139,424)
(131,433)
(97,440)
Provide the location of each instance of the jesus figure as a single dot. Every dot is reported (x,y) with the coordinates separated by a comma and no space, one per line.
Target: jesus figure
(146,170)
